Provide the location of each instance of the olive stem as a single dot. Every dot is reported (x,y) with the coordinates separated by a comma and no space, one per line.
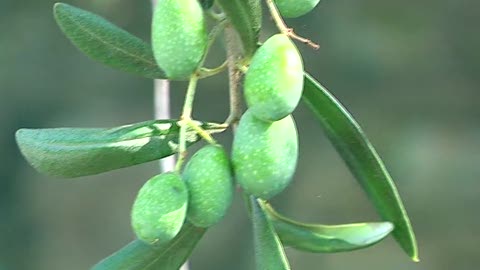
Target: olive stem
(216,15)
(201,132)
(212,36)
(242,68)
(284,29)
(184,119)
(208,72)
(234,75)
(162,111)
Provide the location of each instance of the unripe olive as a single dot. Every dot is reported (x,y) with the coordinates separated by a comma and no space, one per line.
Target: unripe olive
(179,36)
(295,8)
(160,208)
(209,182)
(274,80)
(264,155)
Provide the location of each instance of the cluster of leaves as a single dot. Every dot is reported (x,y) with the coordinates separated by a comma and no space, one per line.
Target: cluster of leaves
(74,152)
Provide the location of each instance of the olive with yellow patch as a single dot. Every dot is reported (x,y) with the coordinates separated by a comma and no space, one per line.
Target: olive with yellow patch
(295,8)
(264,155)
(160,208)
(179,37)
(209,181)
(274,80)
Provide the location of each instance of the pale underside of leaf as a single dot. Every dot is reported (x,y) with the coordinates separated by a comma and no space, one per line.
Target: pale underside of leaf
(327,238)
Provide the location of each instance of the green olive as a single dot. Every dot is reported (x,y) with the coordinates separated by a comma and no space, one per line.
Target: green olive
(209,182)
(160,208)
(264,155)
(295,8)
(179,37)
(274,80)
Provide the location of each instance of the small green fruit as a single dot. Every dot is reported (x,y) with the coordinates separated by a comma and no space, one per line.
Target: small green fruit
(179,37)
(264,155)
(209,181)
(295,8)
(274,81)
(160,208)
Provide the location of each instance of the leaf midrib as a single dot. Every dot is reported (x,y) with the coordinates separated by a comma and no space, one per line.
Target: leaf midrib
(99,38)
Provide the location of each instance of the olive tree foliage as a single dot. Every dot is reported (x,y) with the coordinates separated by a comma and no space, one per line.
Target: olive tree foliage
(173,210)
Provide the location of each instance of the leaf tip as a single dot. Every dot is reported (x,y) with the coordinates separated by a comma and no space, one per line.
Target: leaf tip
(389,227)
(57,6)
(20,135)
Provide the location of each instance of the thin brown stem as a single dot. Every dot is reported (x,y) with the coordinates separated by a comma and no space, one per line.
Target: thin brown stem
(284,29)
(234,75)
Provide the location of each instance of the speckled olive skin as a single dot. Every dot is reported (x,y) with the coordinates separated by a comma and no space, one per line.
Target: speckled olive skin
(264,155)
(295,8)
(160,208)
(274,80)
(179,37)
(208,176)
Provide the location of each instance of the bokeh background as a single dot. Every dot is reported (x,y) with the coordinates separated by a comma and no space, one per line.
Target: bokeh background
(409,73)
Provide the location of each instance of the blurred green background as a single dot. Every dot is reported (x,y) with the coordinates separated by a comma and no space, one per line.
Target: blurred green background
(409,72)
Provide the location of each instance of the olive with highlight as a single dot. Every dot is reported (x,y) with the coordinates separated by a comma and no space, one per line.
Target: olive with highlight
(274,80)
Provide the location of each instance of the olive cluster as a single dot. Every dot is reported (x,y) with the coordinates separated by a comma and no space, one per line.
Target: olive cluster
(173,210)
(265,146)
(202,194)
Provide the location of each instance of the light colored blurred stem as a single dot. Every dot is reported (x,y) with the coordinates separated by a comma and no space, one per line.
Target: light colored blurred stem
(161,99)
(161,96)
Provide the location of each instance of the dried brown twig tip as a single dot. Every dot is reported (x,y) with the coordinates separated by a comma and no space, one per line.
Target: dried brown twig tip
(306,41)
(282,26)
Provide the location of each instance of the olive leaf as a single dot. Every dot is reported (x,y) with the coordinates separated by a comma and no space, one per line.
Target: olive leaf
(246,18)
(105,42)
(269,253)
(73,152)
(140,256)
(362,159)
(327,238)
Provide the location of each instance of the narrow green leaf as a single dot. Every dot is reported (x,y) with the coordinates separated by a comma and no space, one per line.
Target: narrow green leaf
(105,42)
(246,18)
(269,253)
(327,238)
(140,256)
(362,159)
(73,152)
